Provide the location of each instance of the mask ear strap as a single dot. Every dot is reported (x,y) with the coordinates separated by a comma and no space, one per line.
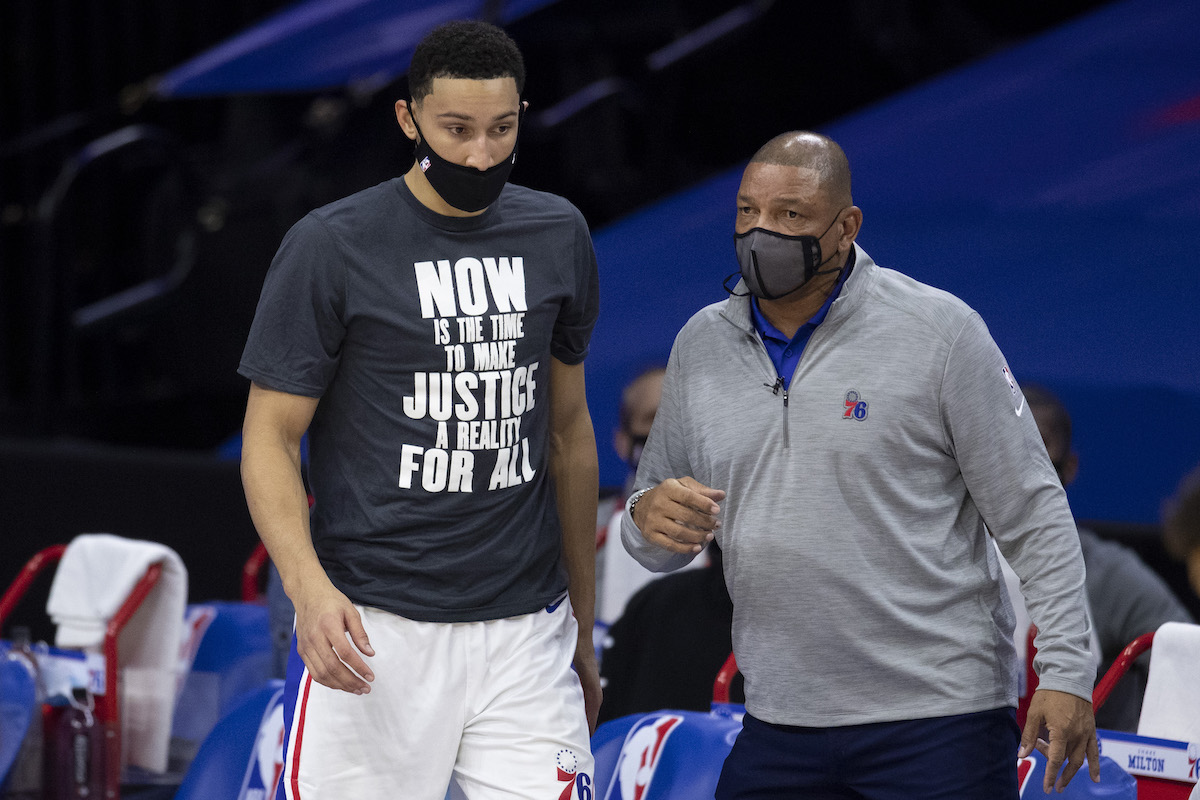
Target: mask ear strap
(725,285)
(814,253)
(831,224)
(831,269)
(413,116)
(520,125)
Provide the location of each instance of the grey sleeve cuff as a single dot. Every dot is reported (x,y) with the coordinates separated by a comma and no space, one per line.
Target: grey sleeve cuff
(650,556)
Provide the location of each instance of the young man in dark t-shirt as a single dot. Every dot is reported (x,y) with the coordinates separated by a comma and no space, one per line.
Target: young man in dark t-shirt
(429,334)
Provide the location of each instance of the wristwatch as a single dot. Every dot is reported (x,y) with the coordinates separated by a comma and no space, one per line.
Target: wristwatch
(633,501)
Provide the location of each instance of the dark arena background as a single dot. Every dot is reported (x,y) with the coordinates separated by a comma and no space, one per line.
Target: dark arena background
(1039,159)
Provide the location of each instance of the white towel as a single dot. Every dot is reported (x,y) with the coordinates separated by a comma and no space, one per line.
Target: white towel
(95,576)
(1171,705)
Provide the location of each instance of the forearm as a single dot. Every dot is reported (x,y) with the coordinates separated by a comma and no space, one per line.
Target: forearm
(1042,546)
(1008,474)
(1045,555)
(577,484)
(278,504)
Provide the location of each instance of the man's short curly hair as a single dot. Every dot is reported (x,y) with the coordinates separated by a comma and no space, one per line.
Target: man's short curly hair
(464,49)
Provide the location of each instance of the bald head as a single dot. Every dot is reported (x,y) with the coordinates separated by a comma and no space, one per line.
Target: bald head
(809,150)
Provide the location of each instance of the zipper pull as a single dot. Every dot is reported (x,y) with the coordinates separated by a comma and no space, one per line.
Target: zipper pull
(775,387)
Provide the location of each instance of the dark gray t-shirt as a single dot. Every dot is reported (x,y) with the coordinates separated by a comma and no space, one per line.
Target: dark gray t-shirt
(427,339)
(1128,598)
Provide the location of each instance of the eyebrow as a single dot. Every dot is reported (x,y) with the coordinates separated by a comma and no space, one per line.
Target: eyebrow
(468,118)
(784,198)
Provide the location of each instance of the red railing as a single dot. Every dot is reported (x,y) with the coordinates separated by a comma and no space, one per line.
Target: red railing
(108,709)
(724,679)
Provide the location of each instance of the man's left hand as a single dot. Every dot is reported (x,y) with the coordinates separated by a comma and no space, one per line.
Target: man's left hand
(1071,728)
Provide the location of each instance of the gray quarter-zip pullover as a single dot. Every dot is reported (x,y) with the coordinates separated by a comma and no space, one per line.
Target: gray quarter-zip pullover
(858,507)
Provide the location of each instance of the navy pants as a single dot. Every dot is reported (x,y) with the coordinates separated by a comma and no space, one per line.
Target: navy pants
(965,756)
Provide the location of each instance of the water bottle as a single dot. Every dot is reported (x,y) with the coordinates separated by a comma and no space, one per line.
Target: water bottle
(25,779)
(76,744)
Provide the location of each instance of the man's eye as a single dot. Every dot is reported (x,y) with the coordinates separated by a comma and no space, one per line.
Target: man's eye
(791,214)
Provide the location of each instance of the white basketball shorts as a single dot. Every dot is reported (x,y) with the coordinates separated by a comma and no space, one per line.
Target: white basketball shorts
(482,709)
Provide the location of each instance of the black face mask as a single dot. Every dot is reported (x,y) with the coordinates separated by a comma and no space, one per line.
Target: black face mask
(769,261)
(465,188)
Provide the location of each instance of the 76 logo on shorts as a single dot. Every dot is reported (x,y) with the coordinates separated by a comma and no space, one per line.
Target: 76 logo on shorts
(568,772)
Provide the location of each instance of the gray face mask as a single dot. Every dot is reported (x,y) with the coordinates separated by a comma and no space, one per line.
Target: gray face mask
(775,264)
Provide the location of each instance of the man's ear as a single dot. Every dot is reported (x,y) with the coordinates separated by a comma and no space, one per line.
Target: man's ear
(851,224)
(404,117)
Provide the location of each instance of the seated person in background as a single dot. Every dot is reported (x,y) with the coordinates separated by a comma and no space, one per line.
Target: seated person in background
(1126,596)
(618,575)
(666,649)
(1181,526)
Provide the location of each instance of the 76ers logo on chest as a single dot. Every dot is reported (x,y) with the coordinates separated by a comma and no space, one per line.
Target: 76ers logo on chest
(856,407)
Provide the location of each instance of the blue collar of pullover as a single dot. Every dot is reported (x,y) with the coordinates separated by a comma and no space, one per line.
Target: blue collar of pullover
(784,352)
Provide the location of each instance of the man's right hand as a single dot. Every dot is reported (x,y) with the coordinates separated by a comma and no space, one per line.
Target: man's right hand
(680,514)
(323,618)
